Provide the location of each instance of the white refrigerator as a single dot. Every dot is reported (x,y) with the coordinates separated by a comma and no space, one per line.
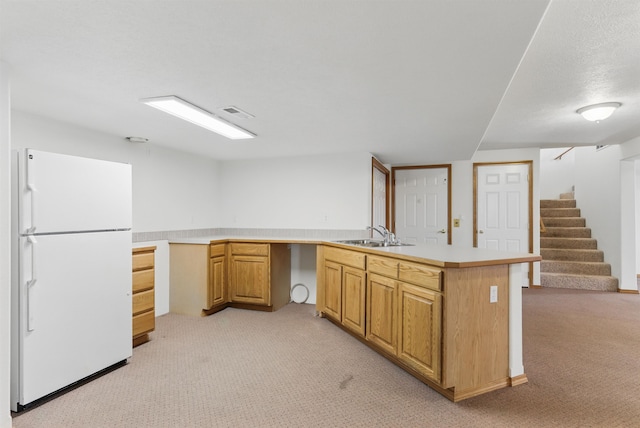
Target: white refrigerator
(71,273)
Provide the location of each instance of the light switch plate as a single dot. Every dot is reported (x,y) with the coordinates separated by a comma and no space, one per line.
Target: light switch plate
(493,294)
(456,222)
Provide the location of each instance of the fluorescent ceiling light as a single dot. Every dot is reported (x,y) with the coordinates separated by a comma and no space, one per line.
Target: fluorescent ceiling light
(187,111)
(598,112)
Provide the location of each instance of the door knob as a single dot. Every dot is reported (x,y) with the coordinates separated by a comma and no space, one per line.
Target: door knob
(481,231)
(442,231)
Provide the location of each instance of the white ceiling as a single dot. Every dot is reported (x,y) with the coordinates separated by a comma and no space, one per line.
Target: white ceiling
(410,81)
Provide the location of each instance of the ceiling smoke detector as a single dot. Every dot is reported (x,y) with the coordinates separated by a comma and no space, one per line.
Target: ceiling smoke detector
(235,111)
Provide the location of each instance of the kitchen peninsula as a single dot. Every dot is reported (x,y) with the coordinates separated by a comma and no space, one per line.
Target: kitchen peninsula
(450,316)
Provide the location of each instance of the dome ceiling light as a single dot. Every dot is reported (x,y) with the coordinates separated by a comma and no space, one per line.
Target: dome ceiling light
(598,112)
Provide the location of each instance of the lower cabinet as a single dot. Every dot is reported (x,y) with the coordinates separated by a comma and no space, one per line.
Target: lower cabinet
(438,323)
(217,284)
(143,294)
(419,333)
(207,278)
(250,274)
(345,288)
(382,313)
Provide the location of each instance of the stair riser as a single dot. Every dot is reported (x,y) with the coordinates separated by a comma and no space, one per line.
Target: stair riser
(564,222)
(572,255)
(576,268)
(557,203)
(606,283)
(569,243)
(569,195)
(566,232)
(559,212)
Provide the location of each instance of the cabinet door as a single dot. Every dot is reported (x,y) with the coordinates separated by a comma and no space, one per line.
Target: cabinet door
(419,334)
(354,287)
(250,280)
(382,309)
(216,293)
(333,290)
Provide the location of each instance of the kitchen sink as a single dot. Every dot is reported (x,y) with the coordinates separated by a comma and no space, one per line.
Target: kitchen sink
(370,243)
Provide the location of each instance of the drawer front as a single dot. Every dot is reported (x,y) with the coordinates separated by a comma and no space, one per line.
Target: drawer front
(346,257)
(383,266)
(422,275)
(143,301)
(217,250)
(144,323)
(143,280)
(250,249)
(142,261)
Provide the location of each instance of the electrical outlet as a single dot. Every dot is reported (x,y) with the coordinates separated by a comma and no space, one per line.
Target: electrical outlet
(493,294)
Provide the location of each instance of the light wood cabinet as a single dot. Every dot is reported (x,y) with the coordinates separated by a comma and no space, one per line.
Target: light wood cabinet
(143,294)
(419,334)
(436,322)
(345,288)
(217,285)
(205,279)
(382,312)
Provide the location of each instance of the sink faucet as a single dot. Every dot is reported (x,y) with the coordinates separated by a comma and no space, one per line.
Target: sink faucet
(389,238)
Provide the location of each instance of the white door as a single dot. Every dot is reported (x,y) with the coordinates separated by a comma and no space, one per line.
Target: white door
(503,208)
(421,205)
(379,216)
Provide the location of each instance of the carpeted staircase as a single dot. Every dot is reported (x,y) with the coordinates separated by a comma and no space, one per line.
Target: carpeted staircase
(570,257)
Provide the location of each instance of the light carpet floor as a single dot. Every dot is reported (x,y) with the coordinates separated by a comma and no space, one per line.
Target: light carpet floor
(240,368)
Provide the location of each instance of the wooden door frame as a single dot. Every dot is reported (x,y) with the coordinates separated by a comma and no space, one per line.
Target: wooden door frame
(376,164)
(530,202)
(449,194)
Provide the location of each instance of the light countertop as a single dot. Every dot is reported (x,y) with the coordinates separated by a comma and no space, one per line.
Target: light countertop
(439,255)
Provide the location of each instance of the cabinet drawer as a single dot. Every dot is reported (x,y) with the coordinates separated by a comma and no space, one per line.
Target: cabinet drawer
(143,301)
(144,323)
(383,266)
(217,250)
(142,261)
(143,280)
(345,257)
(250,249)
(421,275)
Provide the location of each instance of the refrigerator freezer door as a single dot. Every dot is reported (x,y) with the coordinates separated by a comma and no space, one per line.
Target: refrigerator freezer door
(75,317)
(61,193)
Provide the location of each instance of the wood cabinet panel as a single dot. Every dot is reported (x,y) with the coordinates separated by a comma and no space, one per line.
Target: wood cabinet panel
(419,336)
(420,275)
(216,294)
(143,301)
(345,257)
(250,278)
(143,323)
(144,260)
(383,265)
(382,312)
(250,249)
(353,299)
(143,280)
(333,290)
(217,250)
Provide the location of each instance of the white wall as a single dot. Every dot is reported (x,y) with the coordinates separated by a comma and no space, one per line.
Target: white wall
(5,247)
(310,192)
(597,192)
(556,175)
(172,190)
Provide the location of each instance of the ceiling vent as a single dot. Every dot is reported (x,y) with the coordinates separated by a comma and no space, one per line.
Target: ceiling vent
(235,111)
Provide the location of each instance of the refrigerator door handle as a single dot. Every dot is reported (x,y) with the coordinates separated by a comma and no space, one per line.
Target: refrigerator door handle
(32,188)
(30,290)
